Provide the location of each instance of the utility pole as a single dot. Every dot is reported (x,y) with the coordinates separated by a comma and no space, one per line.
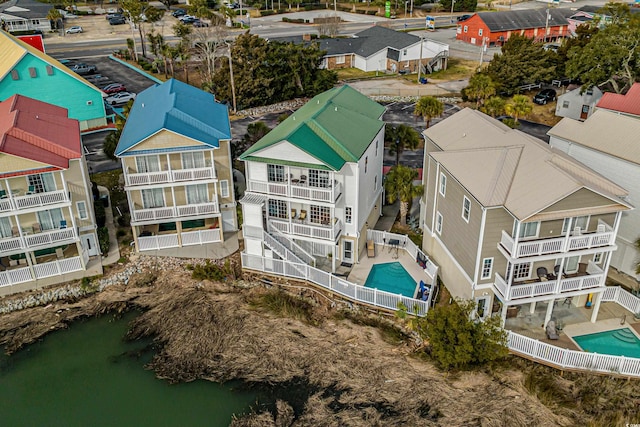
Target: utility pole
(546,26)
(483,49)
(233,83)
(420,63)
(411,11)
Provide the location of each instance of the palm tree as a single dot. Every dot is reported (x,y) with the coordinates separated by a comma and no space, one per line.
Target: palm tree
(520,107)
(480,88)
(399,186)
(494,106)
(401,138)
(428,107)
(55,17)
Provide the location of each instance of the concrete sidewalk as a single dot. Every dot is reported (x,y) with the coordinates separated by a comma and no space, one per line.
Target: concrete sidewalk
(114,252)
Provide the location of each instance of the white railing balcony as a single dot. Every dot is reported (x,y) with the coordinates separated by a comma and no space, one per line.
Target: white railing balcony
(198,209)
(153,214)
(15,276)
(57,267)
(11,244)
(193,174)
(558,287)
(537,247)
(47,238)
(5,205)
(199,237)
(163,241)
(308,229)
(297,190)
(40,199)
(146,178)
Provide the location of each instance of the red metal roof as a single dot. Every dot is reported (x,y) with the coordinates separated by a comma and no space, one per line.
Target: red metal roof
(38,131)
(629,103)
(35,41)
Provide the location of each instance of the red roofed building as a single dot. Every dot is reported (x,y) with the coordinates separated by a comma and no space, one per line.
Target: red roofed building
(47,223)
(628,103)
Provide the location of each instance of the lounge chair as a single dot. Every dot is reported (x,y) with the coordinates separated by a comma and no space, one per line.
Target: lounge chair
(371,249)
(552,331)
(294,213)
(303,215)
(542,273)
(31,190)
(63,224)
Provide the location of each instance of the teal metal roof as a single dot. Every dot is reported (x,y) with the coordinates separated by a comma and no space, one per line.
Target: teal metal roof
(334,127)
(177,107)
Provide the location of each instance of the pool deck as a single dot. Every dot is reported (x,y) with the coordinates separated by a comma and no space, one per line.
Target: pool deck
(576,322)
(385,254)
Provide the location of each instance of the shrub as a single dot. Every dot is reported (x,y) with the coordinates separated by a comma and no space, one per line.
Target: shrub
(212,271)
(267,12)
(103,240)
(101,215)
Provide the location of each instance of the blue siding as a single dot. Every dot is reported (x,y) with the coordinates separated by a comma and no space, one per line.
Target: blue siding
(58,89)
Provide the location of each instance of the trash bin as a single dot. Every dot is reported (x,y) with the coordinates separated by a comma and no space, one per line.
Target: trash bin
(423,80)
(105,200)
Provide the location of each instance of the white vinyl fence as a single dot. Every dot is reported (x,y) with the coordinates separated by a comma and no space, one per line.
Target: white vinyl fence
(571,359)
(351,291)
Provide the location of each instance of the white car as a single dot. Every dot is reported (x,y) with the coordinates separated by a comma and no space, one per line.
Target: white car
(120,98)
(74,30)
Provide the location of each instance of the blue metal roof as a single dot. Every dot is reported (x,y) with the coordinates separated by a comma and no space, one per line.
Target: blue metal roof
(177,107)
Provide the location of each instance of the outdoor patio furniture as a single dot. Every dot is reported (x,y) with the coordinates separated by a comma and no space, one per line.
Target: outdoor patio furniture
(552,331)
(31,190)
(63,224)
(303,179)
(542,272)
(294,214)
(59,253)
(567,301)
(371,249)
(303,215)
(3,194)
(36,228)
(513,311)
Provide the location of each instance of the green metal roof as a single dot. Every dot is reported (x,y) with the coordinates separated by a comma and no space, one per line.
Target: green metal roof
(335,127)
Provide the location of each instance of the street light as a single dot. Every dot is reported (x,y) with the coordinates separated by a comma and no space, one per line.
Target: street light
(452,3)
(405,14)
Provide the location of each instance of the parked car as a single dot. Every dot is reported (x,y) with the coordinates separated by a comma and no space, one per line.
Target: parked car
(84,69)
(120,98)
(463,17)
(112,15)
(185,18)
(118,20)
(544,96)
(74,30)
(179,12)
(199,23)
(114,88)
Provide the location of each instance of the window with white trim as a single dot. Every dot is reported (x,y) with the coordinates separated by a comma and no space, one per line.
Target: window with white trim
(487,267)
(439,222)
(443,184)
(479,31)
(522,271)
(529,229)
(193,160)
(224,188)
(348,214)
(81,207)
(597,257)
(152,198)
(318,178)
(275,173)
(42,182)
(319,214)
(50,219)
(466,208)
(340,59)
(465,29)
(5,227)
(146,164)
(197,193)
(278,208)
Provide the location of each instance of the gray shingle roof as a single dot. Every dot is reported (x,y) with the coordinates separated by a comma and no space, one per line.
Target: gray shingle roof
(34,9)
(378,38)
(524,19)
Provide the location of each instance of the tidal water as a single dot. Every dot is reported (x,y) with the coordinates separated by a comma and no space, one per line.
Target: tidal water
(88,376)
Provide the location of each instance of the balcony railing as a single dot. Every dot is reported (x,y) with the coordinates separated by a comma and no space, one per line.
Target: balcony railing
(199,237)
(538,247)
(162,177)
(188,238)
(34,200)
(45,238)
(162,241)
(154,214)
(40,271)
(308,229)
(550,287)
(297,190)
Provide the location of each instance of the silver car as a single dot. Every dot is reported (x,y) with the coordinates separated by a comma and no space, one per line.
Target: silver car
(120,98)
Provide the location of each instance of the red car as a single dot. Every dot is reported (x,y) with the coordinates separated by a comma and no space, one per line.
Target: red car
(114,88)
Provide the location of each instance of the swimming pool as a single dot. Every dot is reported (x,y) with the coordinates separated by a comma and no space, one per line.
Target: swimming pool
(391,277)
(619,342)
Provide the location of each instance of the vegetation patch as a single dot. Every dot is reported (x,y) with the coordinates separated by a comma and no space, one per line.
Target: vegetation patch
(283,304)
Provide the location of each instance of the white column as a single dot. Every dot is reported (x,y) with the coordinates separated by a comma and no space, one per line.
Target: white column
(532,307)
(333,258)
(503,314)
(596,307)
(547,316)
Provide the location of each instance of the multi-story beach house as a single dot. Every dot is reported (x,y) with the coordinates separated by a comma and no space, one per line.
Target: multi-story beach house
(177,171)
(25,70)
(608,143)
(511,221)
(315,181)
(47,222)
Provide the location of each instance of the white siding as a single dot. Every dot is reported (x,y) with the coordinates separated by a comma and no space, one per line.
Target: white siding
(625,174)
(284,150)
(256,171)
(377,61)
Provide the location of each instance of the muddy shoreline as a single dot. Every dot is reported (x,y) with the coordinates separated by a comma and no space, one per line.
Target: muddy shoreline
(326,365)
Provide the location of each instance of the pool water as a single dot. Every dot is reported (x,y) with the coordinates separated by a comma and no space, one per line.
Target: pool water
(619,342)
(391,277)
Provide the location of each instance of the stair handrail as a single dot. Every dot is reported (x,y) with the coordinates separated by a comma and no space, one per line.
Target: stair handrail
(310,257)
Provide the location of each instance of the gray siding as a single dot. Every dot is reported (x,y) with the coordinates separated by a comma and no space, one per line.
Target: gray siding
(497,219)
(460,237)
(430,186)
